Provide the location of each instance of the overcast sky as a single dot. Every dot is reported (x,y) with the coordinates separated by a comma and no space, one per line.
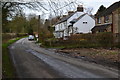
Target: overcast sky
(95,4)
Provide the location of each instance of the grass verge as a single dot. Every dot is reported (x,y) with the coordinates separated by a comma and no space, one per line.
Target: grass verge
(8,70)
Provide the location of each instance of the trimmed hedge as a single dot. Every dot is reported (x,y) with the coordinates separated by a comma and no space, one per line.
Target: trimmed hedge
(8,36)
(103,40)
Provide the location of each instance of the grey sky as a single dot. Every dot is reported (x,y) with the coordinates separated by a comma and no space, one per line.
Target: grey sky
(97,3)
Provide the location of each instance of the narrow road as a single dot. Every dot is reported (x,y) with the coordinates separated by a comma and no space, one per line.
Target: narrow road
(32,61)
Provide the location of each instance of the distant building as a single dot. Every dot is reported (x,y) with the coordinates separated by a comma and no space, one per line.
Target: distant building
(108,20)
(74,22)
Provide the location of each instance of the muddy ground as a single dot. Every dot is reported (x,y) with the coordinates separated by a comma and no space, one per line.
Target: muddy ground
(106,57)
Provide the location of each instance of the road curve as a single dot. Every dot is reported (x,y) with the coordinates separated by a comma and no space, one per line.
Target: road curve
(32,61)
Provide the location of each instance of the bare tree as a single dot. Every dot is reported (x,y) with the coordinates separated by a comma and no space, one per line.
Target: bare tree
(58,7)
(52,7)
(11,9)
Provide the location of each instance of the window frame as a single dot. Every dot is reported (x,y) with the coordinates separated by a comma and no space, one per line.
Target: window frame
(85,22)
(99,20)
(106,19)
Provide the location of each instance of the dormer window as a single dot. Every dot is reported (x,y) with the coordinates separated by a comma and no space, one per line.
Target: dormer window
(98,20)
(106,19)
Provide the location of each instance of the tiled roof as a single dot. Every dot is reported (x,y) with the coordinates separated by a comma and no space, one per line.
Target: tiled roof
(100,27)
(81,16)
(109,10)
(75,20)
(65,18)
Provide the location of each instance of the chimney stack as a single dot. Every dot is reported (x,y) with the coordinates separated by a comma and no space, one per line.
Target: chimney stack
(80,8)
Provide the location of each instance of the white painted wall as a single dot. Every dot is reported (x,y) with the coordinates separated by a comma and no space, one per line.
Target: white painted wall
(65,32)
(56,34)
(59,27)
(75,16)
(85,28)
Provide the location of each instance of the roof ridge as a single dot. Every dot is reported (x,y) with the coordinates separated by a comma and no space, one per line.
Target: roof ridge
(75,20)
(65,18)
(109,9)
(81,16)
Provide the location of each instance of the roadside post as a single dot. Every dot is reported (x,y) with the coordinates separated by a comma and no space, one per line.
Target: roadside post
(38,28)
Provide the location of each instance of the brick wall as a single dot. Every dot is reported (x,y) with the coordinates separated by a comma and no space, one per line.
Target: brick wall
(110,18)
(109,29)
(119,20)
(103,20)
(113,18)
(115,21)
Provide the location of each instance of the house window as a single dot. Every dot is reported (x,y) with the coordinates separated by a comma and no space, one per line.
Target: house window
(84,22)
(99,20)
(106,19)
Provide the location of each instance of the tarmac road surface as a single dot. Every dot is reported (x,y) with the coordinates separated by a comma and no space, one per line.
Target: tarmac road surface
(32,61)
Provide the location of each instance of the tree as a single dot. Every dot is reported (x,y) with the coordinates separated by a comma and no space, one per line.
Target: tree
(18,24)
(33,22)
(7,9)
(101,9)
(47,23)
(11,9)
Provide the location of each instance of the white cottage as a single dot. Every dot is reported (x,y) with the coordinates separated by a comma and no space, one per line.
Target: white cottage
(83,24)
(75,22)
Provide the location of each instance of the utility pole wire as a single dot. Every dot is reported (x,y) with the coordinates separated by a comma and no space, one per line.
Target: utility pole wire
(51,7)
(65,6)
(42,6)
(58,10)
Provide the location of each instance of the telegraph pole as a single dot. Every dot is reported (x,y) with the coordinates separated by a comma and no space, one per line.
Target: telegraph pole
(38,27)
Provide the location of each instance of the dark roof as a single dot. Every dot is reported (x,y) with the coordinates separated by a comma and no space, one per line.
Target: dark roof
(100,27)
(65,18)
(81,16)
(109,10)
(75,20)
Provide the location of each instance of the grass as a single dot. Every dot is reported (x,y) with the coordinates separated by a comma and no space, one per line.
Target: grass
(8,70)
